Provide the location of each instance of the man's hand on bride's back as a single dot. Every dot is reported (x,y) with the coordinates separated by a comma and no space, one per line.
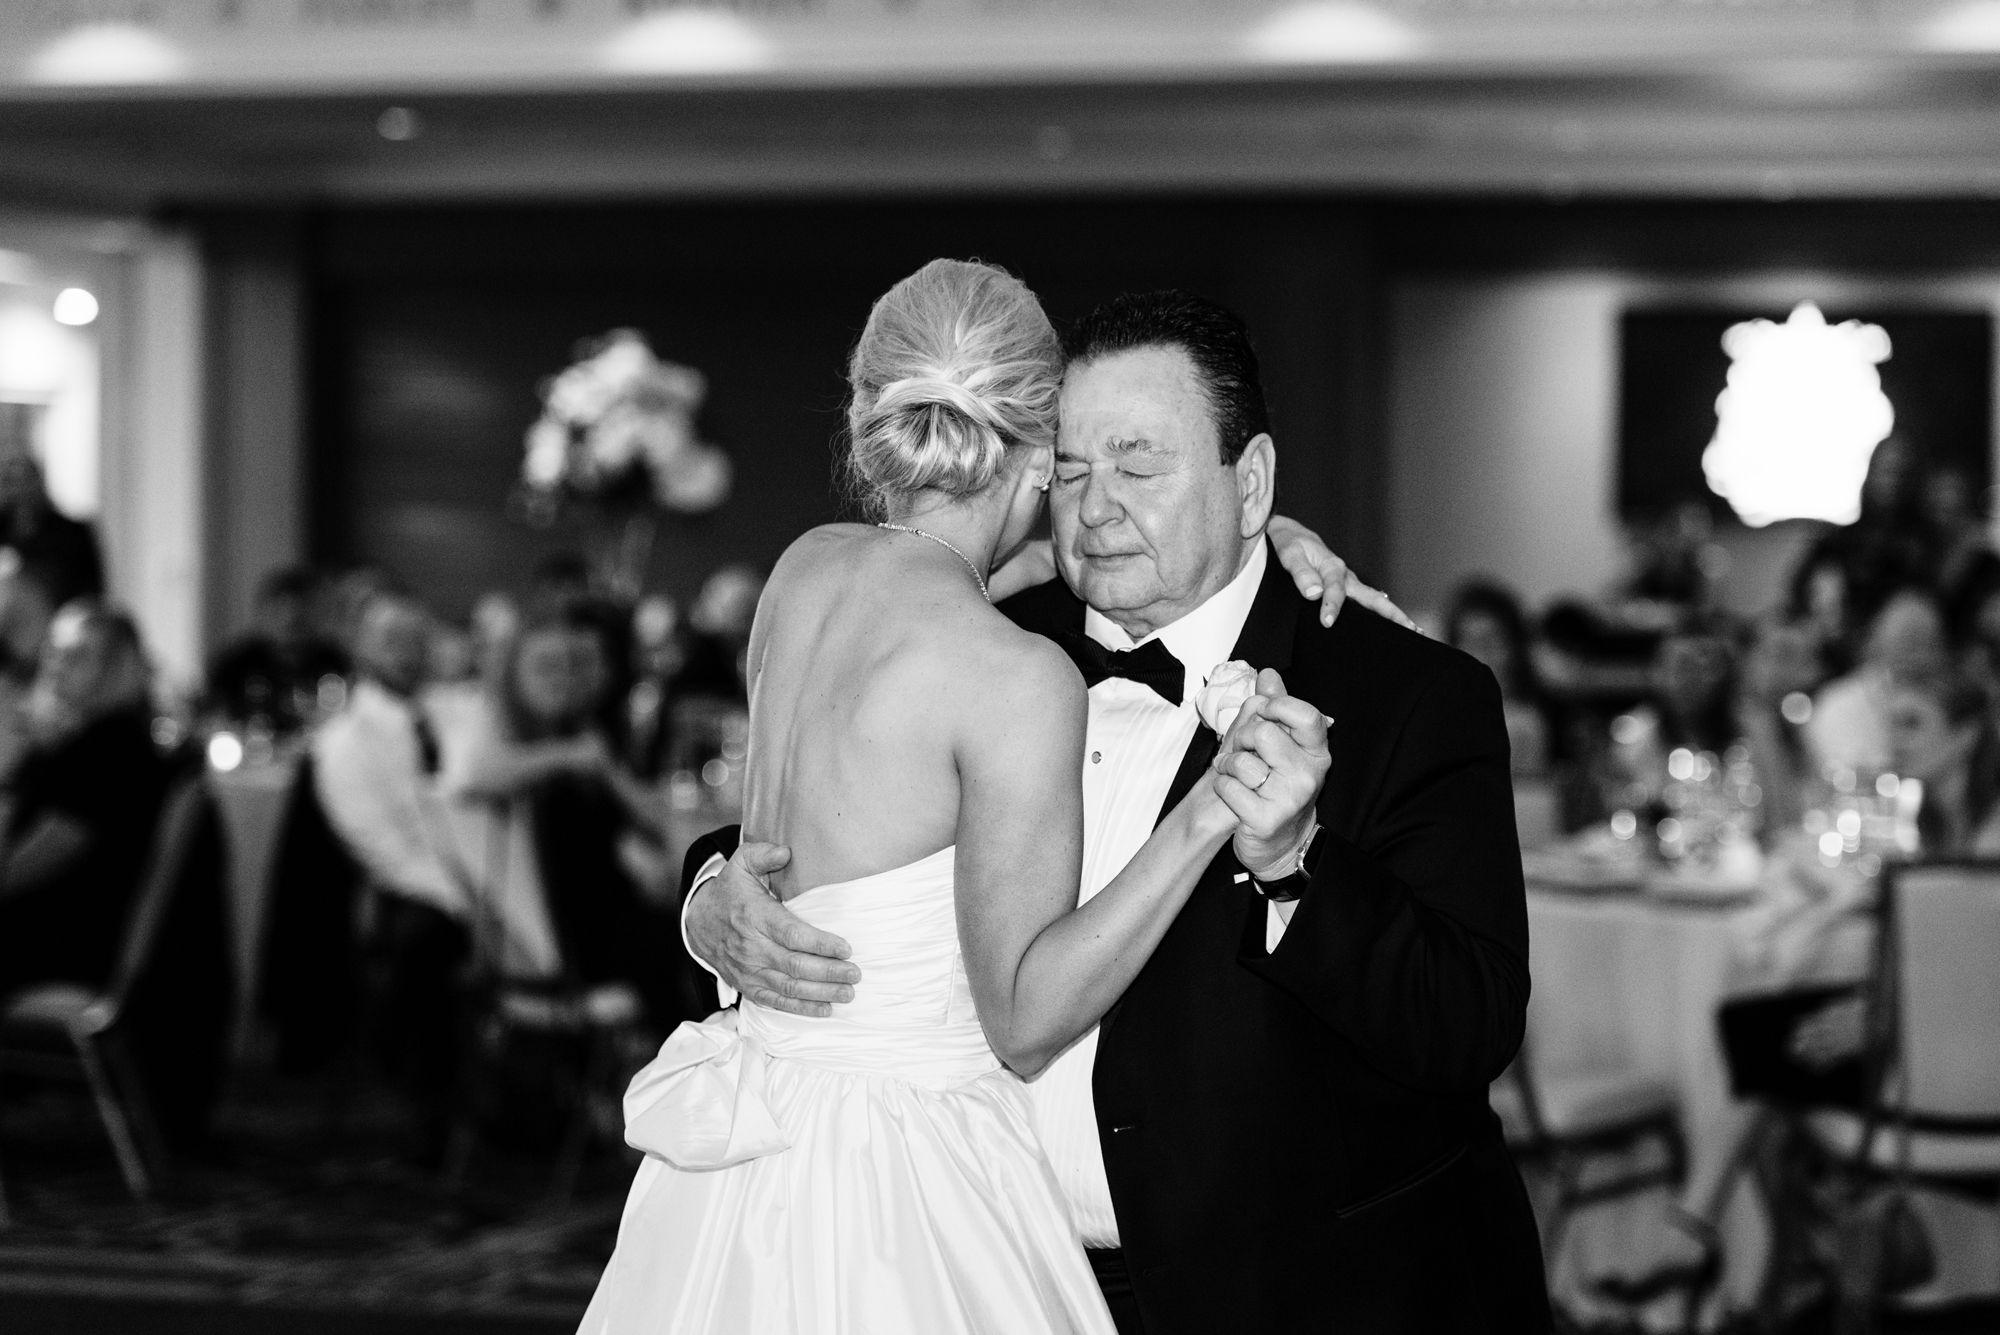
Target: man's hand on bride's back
(760,947)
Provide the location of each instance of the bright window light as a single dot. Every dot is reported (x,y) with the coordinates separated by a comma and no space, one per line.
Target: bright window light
(1332,32)
(75,306)
(1801,415)
(687,41)
(108,53)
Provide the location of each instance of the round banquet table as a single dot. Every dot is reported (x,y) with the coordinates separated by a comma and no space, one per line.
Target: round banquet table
(1627,980)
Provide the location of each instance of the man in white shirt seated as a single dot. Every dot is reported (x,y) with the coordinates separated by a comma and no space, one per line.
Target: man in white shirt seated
(1906,642)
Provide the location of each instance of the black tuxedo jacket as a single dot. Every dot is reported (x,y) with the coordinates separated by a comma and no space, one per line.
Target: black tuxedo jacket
(1300,1140)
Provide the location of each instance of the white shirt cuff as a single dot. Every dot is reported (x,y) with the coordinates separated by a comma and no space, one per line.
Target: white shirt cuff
(1278,916)
(724,993)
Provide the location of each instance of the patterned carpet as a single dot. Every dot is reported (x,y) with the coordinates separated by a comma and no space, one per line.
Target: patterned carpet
(294,1216)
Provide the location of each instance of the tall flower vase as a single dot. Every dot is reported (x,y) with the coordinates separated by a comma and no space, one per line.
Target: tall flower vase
(619,552)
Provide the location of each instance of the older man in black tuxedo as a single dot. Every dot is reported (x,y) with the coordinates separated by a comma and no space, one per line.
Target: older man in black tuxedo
(1282,1125)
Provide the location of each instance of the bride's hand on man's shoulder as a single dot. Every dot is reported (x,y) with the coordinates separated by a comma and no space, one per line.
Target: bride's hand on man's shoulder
(760,947)
(1320,574)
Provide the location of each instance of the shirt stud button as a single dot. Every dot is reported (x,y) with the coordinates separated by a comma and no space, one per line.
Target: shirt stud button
(1096,756)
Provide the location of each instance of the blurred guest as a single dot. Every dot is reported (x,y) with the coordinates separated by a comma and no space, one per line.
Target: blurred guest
(375,768)
(1905,642)
(1940,733)
(1675,559)
(1966,561)
(721,619)
(1690,703)
(274,671)
(1774,702)
(82,806)
(583,807)
(496,620)
(26,611)
(1486,621)
(454,654)
(658,656)
(1890,546)
(58,551)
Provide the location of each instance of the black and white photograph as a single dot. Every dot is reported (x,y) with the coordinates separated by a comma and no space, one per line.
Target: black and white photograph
(999,667)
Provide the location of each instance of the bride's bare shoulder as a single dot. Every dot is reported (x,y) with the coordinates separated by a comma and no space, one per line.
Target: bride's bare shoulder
(1015,668)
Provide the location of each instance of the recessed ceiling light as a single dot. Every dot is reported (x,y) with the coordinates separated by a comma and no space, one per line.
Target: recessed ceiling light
(74,306)
(687,41)
(1332,32)
(108,53)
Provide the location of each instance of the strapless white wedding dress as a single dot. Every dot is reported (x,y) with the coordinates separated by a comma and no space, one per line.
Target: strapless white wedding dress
(874,1172)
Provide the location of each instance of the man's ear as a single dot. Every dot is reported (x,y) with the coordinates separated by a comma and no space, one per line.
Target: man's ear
(1257,484)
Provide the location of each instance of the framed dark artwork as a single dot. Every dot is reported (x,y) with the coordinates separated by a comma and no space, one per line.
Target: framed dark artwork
(1939,379)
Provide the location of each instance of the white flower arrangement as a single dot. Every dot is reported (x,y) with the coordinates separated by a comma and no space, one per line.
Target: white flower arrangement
(618,430)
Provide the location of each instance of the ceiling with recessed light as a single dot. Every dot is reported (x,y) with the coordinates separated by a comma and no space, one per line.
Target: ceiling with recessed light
(152,103)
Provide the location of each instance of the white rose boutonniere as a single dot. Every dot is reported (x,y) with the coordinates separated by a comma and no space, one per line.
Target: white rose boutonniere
(1221,699)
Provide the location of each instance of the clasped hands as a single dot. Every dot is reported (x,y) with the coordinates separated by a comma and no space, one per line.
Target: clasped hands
(1268,772)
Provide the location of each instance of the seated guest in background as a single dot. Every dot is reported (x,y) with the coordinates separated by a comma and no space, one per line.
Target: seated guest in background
(25,613)
(1486,621)
(1890,546)
(1690,703)
(1905,642)
(1965,562)
(583,808)
(658,655)
(1940,733)
(274,671)
(58,551)
(81,807)
(375,771)
(1774,701)
(496,620)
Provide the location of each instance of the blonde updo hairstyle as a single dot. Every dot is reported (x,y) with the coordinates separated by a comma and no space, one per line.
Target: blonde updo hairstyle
(957,364)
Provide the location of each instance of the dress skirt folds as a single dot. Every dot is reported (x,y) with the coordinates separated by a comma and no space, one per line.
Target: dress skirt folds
(874,1172)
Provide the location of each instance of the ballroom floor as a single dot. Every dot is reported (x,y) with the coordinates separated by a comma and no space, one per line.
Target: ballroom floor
(289,1217)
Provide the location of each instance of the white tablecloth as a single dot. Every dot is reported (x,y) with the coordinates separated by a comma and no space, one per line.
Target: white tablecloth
(1624,981)
(1628,980)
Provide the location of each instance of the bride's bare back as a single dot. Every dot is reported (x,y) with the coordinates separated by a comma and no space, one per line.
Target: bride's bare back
(876,670)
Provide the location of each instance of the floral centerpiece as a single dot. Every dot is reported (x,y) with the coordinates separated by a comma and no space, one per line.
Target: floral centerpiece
(617,436)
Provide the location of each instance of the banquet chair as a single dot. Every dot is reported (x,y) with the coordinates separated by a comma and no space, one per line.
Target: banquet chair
(1599,1136)
(1933,1114)
(66,1031)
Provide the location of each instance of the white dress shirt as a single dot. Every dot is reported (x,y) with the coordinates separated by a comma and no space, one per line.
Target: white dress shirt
(1133,744)
(415,835)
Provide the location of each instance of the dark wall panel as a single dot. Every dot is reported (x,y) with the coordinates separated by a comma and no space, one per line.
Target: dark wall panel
(432,329)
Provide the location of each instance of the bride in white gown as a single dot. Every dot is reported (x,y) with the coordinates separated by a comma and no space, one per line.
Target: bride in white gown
(875,1172)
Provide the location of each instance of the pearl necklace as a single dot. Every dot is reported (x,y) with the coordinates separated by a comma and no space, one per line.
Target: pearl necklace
(981,579)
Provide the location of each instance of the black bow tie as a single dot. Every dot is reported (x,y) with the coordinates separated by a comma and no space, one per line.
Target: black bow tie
(1151,664)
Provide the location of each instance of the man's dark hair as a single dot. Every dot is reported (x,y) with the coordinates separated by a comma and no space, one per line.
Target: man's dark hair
(1213,337)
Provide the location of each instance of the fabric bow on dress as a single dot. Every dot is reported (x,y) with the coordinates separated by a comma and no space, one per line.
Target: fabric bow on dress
(700,1103)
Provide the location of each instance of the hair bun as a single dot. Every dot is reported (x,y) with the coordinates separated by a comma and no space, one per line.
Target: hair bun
(957,363)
